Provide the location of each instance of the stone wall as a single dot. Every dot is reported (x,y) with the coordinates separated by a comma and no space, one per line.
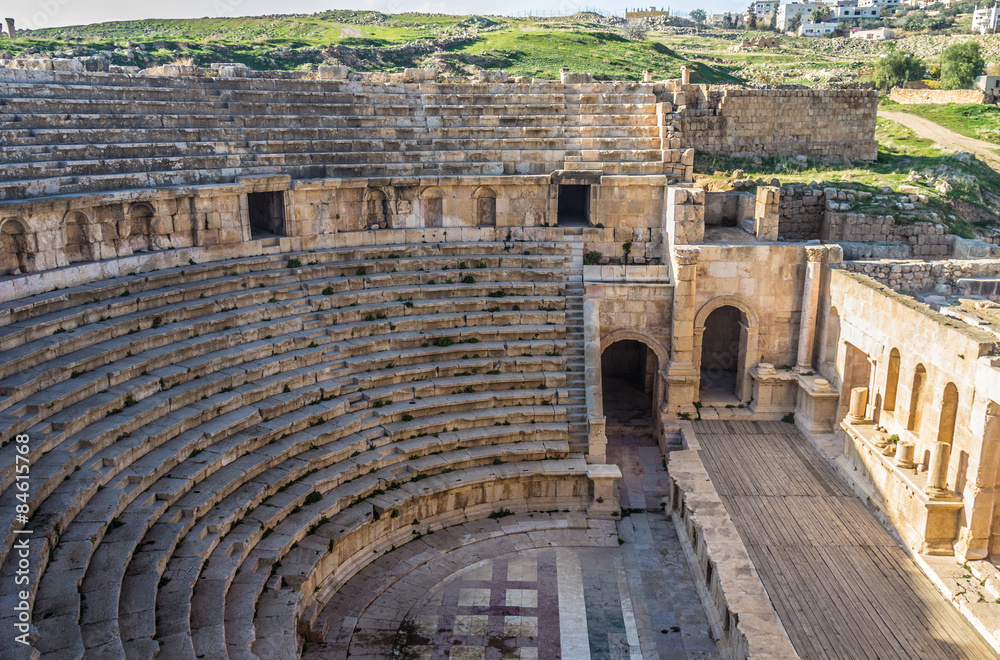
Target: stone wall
(802,212)
(925,239)
(976,277)
(918,96)
(818,124)
(870,327)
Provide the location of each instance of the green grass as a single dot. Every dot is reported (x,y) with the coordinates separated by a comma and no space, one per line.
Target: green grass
(971,120)
(900,152)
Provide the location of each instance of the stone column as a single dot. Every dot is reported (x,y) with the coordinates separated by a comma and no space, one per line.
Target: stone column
(682,375)
(647,76)
(685,75)
(904,455)
(937,471)
(859,402)
(810,306)
(11,32)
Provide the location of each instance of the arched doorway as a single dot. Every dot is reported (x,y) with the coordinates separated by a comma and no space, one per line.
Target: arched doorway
(629,382)
(723,354)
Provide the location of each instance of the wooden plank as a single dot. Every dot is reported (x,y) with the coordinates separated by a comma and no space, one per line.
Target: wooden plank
(838,579)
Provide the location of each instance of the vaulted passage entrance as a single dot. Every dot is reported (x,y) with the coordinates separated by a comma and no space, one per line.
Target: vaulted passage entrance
(574,205)
(267,213)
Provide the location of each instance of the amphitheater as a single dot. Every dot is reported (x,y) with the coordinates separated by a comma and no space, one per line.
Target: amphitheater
(336,365)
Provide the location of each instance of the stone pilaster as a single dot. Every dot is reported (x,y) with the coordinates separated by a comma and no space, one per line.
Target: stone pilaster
(682,375)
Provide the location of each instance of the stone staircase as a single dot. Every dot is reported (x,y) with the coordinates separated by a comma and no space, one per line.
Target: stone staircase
(574,358)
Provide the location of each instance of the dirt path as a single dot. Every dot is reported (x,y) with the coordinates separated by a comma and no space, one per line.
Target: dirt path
(947,138)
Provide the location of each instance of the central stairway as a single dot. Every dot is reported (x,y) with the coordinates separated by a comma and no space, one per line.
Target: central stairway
(576,408)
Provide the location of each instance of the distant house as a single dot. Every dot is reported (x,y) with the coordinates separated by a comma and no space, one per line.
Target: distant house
(817,29)
(878,34)
(884,4)
(852,10)
(788,11)
(984,21)
(764,10)
(990,85)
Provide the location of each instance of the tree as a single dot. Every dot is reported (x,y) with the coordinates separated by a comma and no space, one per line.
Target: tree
(896,68)
(794,23)
(636,29)
(820,15)
(960,64)
(751,17)
(698,16)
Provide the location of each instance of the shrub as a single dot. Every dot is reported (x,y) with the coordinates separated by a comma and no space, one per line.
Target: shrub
(294,263)
(328,291)
(789,418)
(468,279)
(592,258)
(443,342)
(897,68)
(960,64)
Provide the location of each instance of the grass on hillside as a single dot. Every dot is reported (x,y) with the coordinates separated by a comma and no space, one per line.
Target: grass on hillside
(971,120)
(900,152)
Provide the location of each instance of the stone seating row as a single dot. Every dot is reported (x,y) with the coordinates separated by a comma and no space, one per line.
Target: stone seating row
(130,479)
(110,89)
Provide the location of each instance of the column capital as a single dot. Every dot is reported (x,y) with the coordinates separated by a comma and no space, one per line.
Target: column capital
(814,253)
(687,255)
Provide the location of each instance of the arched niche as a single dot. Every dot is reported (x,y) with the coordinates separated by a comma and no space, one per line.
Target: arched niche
(16,254)
(140,219)
(486,207)
(78,237)
(432,207)
(949,414)
(377,213)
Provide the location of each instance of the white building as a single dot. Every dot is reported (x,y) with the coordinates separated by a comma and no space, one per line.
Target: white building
(884,4)
(878,34)
(990,85)
(764,9)
(850,10)
(984,21)
(817,29)
(788,11)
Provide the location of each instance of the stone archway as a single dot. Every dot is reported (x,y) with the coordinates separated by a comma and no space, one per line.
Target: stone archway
(726,347)
(630,373)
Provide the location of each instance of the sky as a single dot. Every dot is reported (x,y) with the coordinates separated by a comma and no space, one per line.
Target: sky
(35,14)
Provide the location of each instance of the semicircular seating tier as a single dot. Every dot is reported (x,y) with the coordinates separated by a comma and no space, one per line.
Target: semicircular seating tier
(217,447)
